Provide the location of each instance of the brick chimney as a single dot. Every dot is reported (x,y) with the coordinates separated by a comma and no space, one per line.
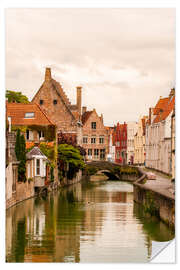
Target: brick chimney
(150,116)
(48,74)
(78,99)
(101,117)
(84,109)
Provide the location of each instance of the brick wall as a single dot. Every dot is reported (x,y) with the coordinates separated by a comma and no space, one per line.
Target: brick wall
(98,132)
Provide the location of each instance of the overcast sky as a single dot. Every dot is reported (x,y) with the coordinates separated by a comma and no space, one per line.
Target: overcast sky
(123,58)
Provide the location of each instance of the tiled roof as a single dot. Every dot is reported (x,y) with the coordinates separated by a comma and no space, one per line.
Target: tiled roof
(30,144)
(166,109)
(34,152)
(85,116)
(17,113)
(160,105)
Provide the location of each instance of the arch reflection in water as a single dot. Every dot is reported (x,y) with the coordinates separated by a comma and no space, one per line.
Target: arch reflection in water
(87,222)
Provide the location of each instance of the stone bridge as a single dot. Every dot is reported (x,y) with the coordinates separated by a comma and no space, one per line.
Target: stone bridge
(113,171)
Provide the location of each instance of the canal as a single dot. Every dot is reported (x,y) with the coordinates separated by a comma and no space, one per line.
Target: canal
(87,222)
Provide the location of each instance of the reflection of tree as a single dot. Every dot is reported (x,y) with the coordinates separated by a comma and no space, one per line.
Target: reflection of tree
(19,249)
(153,226)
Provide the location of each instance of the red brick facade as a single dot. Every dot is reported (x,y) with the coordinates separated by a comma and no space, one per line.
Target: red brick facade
(95,136)
(120,135)
(57,106)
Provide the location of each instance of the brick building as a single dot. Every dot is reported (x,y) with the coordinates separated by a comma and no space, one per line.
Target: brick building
(31,120)
(95,135)
(53,100)
(120,134)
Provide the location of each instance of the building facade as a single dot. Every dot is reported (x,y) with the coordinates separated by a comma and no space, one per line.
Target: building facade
(139,142)
(120,136)
(131,131)
(95,135)
(55,103)
(158,134)
(173,144)
(111,145)
(32,122)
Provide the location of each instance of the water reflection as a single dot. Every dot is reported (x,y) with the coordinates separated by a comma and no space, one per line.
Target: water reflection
(87,222)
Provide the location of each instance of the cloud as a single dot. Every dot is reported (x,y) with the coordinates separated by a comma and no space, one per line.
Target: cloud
(123,58)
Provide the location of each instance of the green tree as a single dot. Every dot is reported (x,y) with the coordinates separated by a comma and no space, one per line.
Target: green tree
(71,159)
(18,97)
(20,150)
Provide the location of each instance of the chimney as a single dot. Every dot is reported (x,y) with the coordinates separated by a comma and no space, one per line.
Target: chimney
(48,74)
(150,116)
(84,109)
(78,99)
(101,117)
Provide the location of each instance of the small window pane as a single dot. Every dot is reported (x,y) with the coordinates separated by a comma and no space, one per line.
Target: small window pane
(55,101)
(29,115)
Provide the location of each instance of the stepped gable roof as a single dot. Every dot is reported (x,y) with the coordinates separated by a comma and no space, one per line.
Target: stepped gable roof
(165,110)
(35,152)
(62,95)
(85,116)
(17,113)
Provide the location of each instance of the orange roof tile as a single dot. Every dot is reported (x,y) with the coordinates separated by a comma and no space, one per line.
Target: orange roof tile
(166,109)
(17,113)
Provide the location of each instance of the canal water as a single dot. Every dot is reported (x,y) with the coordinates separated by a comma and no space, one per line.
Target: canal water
(87,222)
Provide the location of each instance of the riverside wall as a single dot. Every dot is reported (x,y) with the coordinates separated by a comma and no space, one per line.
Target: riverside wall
(155,202)
(26,190)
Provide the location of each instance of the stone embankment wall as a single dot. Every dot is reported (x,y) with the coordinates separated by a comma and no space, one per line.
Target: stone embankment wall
(155,203)
(26,190)
(23,191)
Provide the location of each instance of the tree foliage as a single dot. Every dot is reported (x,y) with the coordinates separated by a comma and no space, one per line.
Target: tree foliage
(20,150)
(69,160)
(18,97)
(70,155)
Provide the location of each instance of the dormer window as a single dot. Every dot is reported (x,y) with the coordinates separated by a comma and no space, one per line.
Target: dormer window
(29,115)
(55,101)
(41,101)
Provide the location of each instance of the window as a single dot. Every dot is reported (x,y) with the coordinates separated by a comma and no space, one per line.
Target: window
(89,152)
(29,115)
(27,134)
(41,134)
(102,154)
(37,166)
(55,101)
(93,125)
(41,101)
(117,143)
(93,140)
(96,153)
(85,139)
(101,140)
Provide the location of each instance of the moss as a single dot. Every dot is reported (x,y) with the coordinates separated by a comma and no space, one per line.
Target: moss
(149,205)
